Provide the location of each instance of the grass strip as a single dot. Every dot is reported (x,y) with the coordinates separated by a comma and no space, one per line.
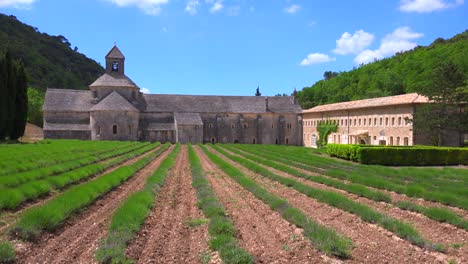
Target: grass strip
(357,189)
(366,213)
(361,175)
(11,198)
(323,238)
(435,213)
(53,213)
(221,228)
(132,213)
(7,252)
(14,180)
(50,159)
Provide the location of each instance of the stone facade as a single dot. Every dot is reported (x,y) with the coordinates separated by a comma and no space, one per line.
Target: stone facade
(115,109)
(377,121)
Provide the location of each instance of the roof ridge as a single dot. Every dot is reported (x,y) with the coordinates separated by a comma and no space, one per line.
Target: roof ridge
(66,90)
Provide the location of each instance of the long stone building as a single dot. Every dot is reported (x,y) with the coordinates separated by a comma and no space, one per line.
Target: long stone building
(376,121)
(115,109)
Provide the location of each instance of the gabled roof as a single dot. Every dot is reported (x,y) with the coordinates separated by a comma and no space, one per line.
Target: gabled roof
(115,53)
(67,100)
(219,104)
(113,81)
(114,102)
(412,98)
(188,119)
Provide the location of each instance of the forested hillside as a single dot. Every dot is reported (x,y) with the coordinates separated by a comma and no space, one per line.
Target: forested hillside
(405,72)
(50,61)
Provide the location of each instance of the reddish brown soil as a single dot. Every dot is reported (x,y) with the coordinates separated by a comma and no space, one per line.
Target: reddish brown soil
(433,230)
(261,231)
(166,237)
(77,240)
(396,197)
(373,243)
(8,218)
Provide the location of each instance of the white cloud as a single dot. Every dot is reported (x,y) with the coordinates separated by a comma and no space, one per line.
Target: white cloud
(401,39)
(427,6)
(20,4)
(353,44)
(315,58)
(192,6)
(292,9)
(233,10)
(150,7)
(145,90)
(216,6)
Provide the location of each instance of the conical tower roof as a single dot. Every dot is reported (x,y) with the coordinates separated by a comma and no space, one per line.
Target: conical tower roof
(115,53)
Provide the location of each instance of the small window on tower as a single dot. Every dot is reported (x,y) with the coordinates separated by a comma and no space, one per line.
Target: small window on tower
(115,66)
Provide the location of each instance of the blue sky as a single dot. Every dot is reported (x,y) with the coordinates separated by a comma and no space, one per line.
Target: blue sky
(229,47)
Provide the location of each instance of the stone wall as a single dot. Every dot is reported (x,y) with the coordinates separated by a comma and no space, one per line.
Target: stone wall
(66,117)
(190,134)
(268,128)
(67,134)
(380,125)
(114,125)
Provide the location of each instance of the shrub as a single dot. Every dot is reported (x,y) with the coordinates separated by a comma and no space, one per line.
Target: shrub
(7,253)
(348,152)
(414,156)
(400,156)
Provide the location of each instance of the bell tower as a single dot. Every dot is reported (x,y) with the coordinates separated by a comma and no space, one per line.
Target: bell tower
(115,62)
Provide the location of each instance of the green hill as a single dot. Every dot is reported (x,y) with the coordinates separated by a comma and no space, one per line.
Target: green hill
(50,61)
(405,72)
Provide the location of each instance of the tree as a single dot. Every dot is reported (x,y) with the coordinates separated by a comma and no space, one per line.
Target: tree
(329,74)
(257,93)
(448,108)
(3,99)
(10,93)
(21,103)
(35,102)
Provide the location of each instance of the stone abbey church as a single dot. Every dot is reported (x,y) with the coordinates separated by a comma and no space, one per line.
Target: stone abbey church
(115,109)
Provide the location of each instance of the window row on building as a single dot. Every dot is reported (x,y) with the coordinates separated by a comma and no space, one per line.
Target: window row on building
(115,130)
(396,121)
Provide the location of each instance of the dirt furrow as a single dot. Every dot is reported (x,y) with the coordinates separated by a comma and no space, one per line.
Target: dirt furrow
(79,238)
(261,231)
(373,243)
(166,236)
(9,218)
(396,197)
(433,230)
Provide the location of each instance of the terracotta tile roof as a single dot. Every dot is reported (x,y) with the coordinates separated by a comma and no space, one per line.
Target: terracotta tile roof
(412,98)
(109,80)
(114,102)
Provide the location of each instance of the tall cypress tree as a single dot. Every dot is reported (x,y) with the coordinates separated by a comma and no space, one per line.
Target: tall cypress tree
(21,103)
(10,93)
(3,98)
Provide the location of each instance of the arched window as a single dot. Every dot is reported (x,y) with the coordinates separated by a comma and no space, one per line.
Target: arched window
(213,140)
(95,94)
(129,130)
(287,141)
(114,129)
(276,142)
(254,141)
(98,130)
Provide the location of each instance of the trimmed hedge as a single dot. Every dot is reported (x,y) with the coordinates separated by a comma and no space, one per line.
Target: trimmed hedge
(348,152)
(400,156)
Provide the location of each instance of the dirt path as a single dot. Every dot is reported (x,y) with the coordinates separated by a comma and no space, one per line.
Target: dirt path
(373,243)
(9,218)
(78,239)
(396,197)
(261,231)
(166,236)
